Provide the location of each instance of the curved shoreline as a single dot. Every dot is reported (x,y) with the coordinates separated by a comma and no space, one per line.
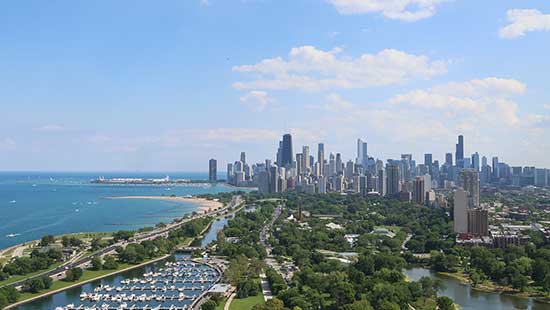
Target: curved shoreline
(204,205)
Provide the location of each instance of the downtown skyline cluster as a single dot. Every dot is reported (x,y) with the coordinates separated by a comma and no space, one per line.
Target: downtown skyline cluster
(417,179)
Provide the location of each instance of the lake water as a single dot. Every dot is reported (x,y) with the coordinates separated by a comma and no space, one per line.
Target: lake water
(470,299)
(36,204)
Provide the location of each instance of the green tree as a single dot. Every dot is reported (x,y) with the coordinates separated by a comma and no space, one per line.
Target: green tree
(445,303)
(96,263)
(47,282)
(209,305)
(73,274)
(110,263)
(33,286)
(47,240)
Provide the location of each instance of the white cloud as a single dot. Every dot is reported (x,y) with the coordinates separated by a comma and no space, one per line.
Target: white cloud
(405,10)
(547,106)
(204,2)
(312,69)
(336,103)
(522,21)
(488,97)
(256,100)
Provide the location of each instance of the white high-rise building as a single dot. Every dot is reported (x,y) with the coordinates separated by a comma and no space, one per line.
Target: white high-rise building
(305,159)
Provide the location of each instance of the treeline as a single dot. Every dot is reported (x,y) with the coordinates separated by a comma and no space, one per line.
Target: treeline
(136,253)
(520,267)
(36,261)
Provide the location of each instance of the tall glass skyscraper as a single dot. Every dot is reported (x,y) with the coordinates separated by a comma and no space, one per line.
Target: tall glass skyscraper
(460,152)
(286,154)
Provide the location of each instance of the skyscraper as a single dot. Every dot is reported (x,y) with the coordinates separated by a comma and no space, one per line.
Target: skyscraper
(243,158)
(392,179)
(460,213)
(286,151)
(460,152)
(449,159)
(419,191)
(230,173)
(475,161)
(362,156)
(305,153)
(339,167)
(496,174)
(212,170)
(428,160)
(406,163)
(381,182)
(321,157)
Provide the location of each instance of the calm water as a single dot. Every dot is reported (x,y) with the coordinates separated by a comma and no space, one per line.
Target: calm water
(470,299)
(72,296)
(35,204)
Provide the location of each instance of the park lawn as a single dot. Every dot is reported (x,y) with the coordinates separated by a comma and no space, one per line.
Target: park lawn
(221,304)
(246,303)
(16,278)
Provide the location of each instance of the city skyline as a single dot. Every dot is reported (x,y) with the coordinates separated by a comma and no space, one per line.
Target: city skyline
(131,86)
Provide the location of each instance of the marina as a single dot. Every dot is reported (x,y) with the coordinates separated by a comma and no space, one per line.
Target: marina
(175,284)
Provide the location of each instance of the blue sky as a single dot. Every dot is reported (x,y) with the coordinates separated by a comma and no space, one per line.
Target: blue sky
(165,85)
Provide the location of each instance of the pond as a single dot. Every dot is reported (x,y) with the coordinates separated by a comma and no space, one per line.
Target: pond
(470,299)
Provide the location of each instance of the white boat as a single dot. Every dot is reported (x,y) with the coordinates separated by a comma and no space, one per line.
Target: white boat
(12,235)
(13,201)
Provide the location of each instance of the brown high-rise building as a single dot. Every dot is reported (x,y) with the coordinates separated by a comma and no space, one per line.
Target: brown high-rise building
(478,222)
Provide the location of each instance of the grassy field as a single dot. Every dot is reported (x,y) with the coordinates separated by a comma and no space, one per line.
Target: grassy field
(221,304)
(246,303)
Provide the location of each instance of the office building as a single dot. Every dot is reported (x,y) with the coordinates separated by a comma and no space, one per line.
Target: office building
(475,161)
(321,157)
(243,158)
(230,173)
(449,159)
(362,156)
(212,170)
(392,179)
(306,161)
(419,191)
(381,182)
(460,152)
(496,174)
(286,151)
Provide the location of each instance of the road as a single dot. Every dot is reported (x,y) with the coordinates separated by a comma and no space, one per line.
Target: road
(60,271)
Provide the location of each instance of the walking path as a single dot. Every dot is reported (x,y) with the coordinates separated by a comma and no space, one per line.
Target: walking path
(229,301)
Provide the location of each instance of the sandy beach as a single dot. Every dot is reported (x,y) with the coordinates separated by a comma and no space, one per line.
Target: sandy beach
(204,204)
